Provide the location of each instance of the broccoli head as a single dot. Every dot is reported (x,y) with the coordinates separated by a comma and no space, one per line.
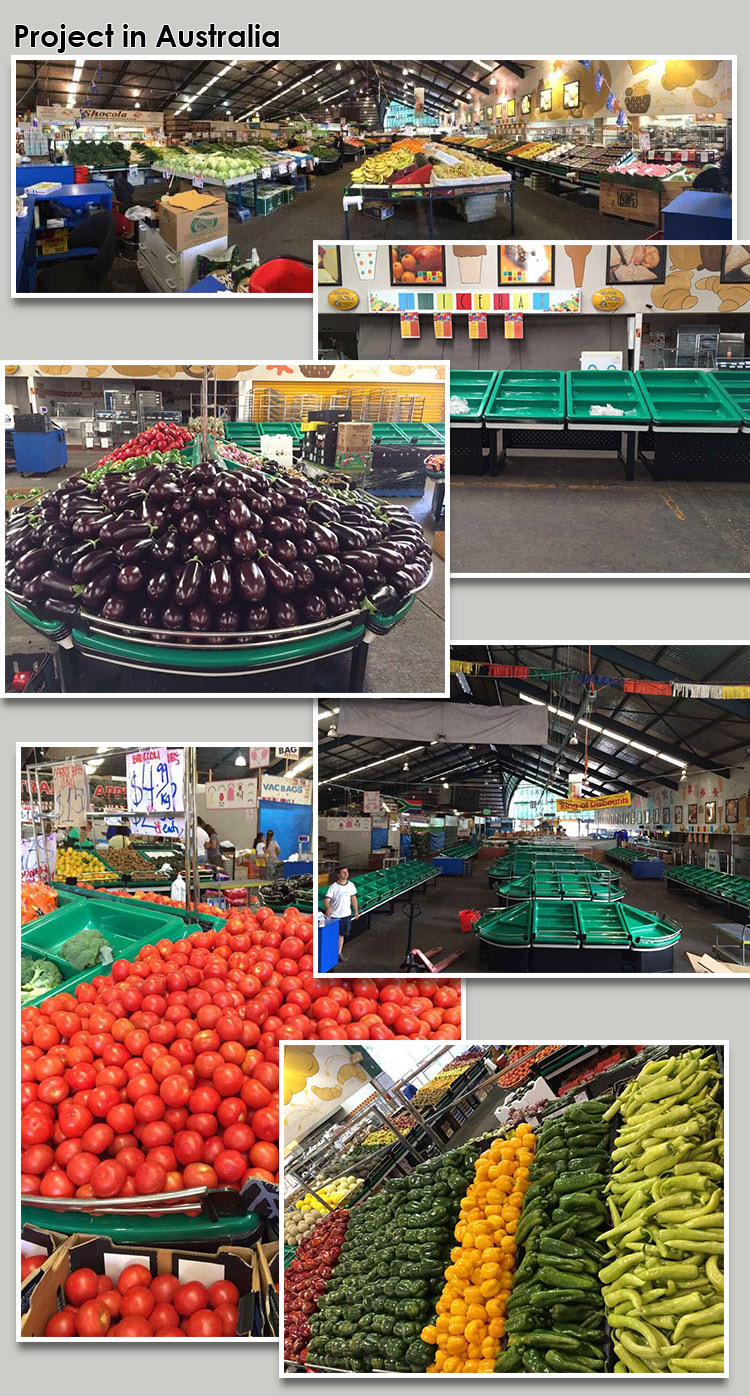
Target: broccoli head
(86,949)
(38,977)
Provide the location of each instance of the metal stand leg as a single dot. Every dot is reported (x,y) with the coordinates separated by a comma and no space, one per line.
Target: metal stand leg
(430,219)
(68,668)
(358,667)
(630,438)
(497,463)
(346,219)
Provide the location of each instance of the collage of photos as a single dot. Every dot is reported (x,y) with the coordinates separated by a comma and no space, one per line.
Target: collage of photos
(263,1088)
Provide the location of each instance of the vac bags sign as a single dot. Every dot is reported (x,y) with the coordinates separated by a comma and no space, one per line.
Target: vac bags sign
(283,791)
(594,802)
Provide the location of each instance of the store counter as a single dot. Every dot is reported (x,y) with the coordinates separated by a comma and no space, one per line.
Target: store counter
(70,196)
(698,216)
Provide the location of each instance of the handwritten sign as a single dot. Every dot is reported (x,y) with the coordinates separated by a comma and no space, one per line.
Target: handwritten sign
(34,866)
(71,791)
(232,794)
(259,756)
(165,826)
(371,802)
(155,780)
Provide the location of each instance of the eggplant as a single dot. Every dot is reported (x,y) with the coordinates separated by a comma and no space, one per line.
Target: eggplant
(283,612)
(149,475)
(205,496)
(304,577)
(138,550)
(335,601)
(220,584)
(191,523)
(220,523)
(159,517)
(32,563)
(284,550)
(407,547)
(244,543)
(166,549)
(190,583)
(372,534)
(311,607)
(351,583)
(58,585)
(33,589)
(389,558)
(278,526)
(59,610)
(238,513)
(385,600)
(306,549)
(255,522)
(200,617)
(279,578)
(116,607)
(116,530)
(375,580)
(349,538)
(326,567)
(159,586)
(323,513)
(259,503)
(13,581)
(297,526)
(323,538)
(148,616)
(173,617)
(228,619)
(130,578)
(362,560)
(257,618)
(97,590)
(66,557)
(165,491)
(90,525)
(250,580)
(293,491)
(230,486)
(276,501)
(206,545)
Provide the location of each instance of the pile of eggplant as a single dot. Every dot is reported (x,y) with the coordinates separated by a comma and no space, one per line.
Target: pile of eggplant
(205,550)
(286,890)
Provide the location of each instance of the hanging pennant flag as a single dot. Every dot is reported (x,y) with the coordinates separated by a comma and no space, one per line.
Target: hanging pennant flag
(442,322)
(513,326)
(647,686)
(736,690)
(477,326)
(409,324)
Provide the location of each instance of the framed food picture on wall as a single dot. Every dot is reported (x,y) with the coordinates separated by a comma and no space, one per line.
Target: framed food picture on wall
(666,817)
(512,107)
(571,95)
(417,263)
(710,811)
(526,264)
(735,263)
(525,105)
(692,814)
(545,99)
(678,814)
(329,264)
(732,812)
(636,264)
(655,819)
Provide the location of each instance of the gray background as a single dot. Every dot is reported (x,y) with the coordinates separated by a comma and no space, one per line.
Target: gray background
(542,612)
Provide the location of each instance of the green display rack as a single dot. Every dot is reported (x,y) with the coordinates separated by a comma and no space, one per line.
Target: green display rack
(387,434)
(292,429)
(235,659)
(563,886)
(246,435)
(687,398)
(376,888)
(735,384)
(51,628)
(726,887)
(166,1228)
(475,386)
(125,927)
(615,388)
(527,395)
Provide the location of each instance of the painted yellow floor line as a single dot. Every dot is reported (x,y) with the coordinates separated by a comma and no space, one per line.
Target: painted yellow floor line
(671,504)
(529,485)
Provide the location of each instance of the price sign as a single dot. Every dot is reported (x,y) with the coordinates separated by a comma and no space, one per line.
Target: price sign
(71,791)
(198,182)
(283,168)
(33,868)
(165,826)
(154,781)
(266,172)
(371,802)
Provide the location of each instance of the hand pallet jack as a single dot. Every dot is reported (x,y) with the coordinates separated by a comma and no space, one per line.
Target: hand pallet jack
(420,961)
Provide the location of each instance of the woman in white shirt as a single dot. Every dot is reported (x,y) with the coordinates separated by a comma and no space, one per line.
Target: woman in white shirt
(273,853)
(201,839)
(338,903)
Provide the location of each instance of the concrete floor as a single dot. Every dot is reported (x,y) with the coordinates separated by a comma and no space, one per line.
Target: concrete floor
(380,949)
(548,513)
(291,229)
(410,660)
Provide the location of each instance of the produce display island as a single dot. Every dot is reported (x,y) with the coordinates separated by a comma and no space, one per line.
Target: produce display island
(576,937)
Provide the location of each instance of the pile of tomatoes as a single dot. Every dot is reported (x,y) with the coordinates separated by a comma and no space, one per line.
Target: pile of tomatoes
(140,1305)
(163,1073)
(162,436)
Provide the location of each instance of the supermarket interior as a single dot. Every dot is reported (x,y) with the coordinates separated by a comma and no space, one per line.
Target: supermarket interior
(182,177)
(527,1208)
(570,810)
(599,393)
(164,949)
(225,528)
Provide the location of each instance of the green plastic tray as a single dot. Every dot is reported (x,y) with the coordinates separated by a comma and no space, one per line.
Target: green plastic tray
(475,385)
(527,395)
(280,429)
(735,384)
(53,628)
(125,927)
(617,388)
(234,658)
(387,434)
(246,435)
(686,397)
(144,1230)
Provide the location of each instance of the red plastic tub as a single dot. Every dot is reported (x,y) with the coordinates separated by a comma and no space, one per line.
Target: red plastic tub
(282,274)
(467,920)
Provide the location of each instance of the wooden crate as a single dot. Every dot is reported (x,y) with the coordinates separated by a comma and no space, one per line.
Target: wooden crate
(627,201)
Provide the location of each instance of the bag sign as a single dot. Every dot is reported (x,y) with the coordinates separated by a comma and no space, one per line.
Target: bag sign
(282,791)
(71,791)
(286,753)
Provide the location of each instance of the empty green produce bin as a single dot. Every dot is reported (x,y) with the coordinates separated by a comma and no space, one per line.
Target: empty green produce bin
(524,395)
(587,389)
(686,397)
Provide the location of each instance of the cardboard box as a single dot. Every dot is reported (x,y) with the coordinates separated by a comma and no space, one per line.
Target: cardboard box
(354,437)
(438,542)
(236,1263)
(188,219)
(353,462)
(707,964)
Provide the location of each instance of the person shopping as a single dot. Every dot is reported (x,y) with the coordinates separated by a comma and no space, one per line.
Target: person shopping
(273,853)
(120,838)
(213,849)
(201,841)
(338,902)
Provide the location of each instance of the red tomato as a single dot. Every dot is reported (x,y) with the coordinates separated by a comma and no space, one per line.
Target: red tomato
(264,1154)
(81,1285)
(149,1178)
(108,1178)
(227,1315)
(163,1288)
(223,1292)
(229,1165)
(62,1324)
(93,1319)
(135,1326)
(133,1275)
(164,1316)
(169,1332)
(56,1183)
(266,1123)
(200,1175)
(138,1300)
(113,1299)
(204,1324)
(190,1298)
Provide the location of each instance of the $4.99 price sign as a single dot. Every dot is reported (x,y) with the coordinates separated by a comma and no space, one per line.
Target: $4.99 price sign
(155,780)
